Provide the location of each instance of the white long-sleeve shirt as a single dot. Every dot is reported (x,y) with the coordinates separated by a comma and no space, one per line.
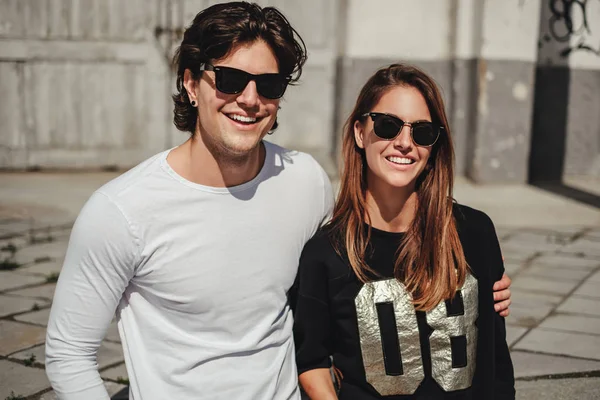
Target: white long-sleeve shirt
(198,277)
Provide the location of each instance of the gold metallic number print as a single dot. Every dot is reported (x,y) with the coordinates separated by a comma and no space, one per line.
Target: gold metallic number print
(366,301)
(444,327)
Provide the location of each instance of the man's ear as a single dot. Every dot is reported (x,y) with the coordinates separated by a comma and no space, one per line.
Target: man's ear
(190,84)
(358,134)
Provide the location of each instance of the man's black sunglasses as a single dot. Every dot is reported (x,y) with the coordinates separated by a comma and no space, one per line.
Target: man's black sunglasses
(234,81)
(386,126)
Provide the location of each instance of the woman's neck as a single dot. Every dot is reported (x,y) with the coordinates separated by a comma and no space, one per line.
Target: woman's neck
(391,209)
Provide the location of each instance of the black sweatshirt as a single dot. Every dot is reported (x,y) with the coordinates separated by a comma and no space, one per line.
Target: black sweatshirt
(386,349)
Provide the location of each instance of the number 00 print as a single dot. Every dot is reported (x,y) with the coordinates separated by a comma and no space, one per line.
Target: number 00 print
(391,348)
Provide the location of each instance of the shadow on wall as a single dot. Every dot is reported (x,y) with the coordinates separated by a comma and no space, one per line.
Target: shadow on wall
(561,21)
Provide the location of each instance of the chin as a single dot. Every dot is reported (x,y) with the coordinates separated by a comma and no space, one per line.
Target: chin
(237,144)
(402,183)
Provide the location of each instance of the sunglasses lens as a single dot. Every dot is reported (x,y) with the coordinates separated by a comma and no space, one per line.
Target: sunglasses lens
(386,127)
(425,133)
(231,81)
(271,86)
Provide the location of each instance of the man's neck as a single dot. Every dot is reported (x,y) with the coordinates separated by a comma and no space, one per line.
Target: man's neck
(194,161)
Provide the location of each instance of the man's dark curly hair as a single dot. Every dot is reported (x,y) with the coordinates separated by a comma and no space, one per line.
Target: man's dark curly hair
(216,31)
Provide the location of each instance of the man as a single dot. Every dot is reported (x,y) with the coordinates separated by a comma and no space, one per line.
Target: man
(196,248)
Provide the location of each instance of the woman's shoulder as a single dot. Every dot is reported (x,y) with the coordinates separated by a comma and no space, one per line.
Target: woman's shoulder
(320,245)
(471,220)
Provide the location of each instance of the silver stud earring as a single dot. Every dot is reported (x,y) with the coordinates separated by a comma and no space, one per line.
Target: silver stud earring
(193,102)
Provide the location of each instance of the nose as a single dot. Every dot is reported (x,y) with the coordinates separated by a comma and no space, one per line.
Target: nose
(249,96)
(404,140)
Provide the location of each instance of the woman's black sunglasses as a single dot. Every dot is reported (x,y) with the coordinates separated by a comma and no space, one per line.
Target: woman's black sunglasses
(386,126)
(234,81)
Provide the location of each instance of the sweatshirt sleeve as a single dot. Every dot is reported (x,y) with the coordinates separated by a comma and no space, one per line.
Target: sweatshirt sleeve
(98,266)
(312,322)
(504,385)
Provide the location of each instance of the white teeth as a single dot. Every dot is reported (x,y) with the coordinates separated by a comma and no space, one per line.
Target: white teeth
(400,160)
(241,118)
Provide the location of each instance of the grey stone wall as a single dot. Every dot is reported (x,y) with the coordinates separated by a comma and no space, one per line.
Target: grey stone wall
(78,82)
(87,83)
(566,123)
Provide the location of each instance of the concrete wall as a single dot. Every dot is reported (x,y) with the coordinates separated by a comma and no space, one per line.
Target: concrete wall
(86,83)
(481,53)
(505,73)
(78,80)
(388,31)
(566,124)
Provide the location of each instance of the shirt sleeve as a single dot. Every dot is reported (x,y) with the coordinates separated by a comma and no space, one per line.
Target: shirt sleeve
(99,264)
(504,385)
(312,319)
(328,200)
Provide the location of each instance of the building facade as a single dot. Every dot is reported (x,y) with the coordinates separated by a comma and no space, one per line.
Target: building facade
(86,84)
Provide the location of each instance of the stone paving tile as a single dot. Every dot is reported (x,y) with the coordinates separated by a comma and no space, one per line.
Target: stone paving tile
(11,280)
(572,323)
(563,260)
(590,289)
(17,242)
(12,305)
(111,387)
(108,354)
(21,380)
(514,333)
(15,227)
(43,291)
(581,305)
(516,254)
(532,364)
(116,373)
(541,240)
(113,333)
(591,238)
(559,389)
(523,247)
(511,267)
(44,269)
(36,355)
(595,277)
(517,258)
(35,317)
(585,246)
(570,230)
(15,336)
(565,343)
(528,316)
(45,251)
(525,298)
(539,284)
(555,273)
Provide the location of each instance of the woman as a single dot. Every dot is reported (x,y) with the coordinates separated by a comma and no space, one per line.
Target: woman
(397,288)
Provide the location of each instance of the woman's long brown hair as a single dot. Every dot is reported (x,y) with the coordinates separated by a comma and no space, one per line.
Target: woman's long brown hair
(431,262)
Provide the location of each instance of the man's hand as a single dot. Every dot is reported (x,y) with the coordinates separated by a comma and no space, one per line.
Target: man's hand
(502,295)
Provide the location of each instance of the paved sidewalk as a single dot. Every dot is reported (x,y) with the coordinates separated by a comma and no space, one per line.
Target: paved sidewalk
(551,246)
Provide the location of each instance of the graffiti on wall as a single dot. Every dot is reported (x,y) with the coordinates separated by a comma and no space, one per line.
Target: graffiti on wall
(569,24)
